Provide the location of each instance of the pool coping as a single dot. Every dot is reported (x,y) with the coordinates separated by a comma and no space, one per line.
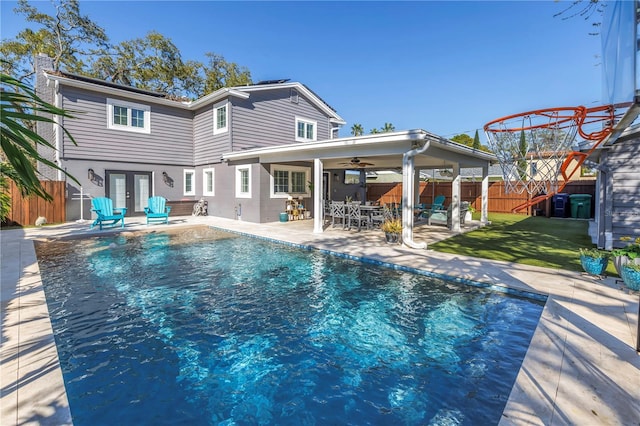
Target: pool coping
(581,366)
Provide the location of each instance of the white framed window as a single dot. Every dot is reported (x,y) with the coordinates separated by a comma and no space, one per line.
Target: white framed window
(243,181)
(127,116)
(306,130)
(289,180)
(189,179)
(208,180)
(221,119)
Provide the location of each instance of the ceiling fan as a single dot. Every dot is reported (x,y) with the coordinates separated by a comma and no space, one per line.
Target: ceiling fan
(356,162)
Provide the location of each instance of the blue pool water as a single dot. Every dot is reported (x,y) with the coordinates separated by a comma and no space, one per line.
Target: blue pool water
(204,327)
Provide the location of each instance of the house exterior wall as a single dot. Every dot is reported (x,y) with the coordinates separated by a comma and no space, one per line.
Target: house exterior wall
(208,148)
(170,141)
(97,186)
(619,185)
(267,118)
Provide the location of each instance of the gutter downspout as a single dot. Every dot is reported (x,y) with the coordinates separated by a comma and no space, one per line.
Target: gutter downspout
(408,189)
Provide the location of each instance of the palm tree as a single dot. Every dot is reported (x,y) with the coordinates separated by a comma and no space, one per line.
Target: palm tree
(21,107)
(388,128)
(357,129)
(374,131)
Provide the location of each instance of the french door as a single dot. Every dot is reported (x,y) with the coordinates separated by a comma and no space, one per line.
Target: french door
(129,189)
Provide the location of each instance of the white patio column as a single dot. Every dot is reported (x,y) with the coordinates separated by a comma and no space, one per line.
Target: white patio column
(484,217)
(318,207)
(408,194)
(455,199)
(416,186)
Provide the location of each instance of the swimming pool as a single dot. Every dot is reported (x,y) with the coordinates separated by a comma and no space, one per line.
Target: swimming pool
(207,327)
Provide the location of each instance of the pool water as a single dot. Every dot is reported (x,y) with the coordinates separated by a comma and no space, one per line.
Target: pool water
(204,327)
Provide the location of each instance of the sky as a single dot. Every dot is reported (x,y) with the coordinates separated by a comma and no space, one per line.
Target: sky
(447,67)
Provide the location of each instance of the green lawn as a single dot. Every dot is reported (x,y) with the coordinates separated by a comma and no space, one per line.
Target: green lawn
(539,241)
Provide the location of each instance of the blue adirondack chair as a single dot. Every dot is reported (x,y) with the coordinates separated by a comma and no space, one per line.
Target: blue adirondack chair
(157,210)
(106,216)
(438,204)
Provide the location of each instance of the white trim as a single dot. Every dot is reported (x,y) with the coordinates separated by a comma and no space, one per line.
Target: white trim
(218,130)
(185,172)
(238,182)
(282,167)
(314,137)
(111,103)
(213,182)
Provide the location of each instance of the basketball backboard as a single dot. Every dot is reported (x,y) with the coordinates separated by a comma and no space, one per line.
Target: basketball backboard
(620,38)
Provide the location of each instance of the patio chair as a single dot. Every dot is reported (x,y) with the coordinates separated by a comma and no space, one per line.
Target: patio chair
(106,216)
(338,213)
(443,217)
(354,214)
(438,204)
(157,210)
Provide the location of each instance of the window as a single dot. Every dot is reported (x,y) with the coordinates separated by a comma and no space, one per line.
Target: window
(534,168)
(189,182)
(289,180)
(127,116)
(243,181)
(207,182)
(305,130)
(220,119)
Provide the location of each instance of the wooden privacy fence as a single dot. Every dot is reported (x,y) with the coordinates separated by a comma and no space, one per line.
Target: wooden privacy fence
(499,201)
(25,210)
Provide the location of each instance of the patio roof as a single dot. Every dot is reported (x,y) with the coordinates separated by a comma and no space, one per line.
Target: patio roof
(411,150)
(385,150)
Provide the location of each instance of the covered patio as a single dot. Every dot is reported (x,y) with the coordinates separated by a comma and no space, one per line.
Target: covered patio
(410,151)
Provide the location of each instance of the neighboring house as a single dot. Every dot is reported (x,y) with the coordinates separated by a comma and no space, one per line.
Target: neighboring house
(132,144)
(617,208)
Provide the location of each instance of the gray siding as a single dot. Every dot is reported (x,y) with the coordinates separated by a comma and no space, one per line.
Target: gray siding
(97,188)
(623,161)
(208,148)
(170,140)
(267,118)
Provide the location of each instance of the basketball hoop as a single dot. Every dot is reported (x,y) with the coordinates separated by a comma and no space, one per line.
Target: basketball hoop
(534,148)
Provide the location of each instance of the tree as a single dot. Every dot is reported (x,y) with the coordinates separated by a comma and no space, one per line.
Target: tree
(357,130)
(374,131)
(19,106)
(586,9)
(388,128)
(476,141)
(80,46)
(151,63)
(463,139)
(523,149)
(68,37)
(219,73)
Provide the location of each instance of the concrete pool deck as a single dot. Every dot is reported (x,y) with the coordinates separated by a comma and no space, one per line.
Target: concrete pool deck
(581,366)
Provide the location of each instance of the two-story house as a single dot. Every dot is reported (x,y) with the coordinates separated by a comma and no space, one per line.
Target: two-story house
(133,143)
(244,150)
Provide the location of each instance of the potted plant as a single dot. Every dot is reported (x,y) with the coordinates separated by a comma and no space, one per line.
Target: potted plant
(630,273)
(594,261)
(392,229)
(622,256)
(468,214)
